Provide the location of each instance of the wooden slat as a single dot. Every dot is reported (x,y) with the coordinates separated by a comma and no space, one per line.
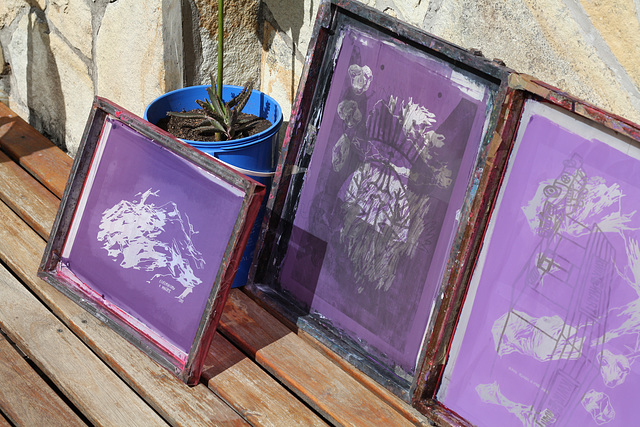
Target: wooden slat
(248,405)
(34,152)
(161,389)
(17,187)
(21,249)
(177,402)
(26,398)
(407,411)
(251,391)
(3,421)
(318,381)
(77,372)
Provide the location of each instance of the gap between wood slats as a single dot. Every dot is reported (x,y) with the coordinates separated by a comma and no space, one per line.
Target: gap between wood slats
(289,401)
(170,397)
(59,192)
(317,380)
(237,379)
(33,151)
(4,422)
(26,398)
(404,408)
(86,381)
(36,205)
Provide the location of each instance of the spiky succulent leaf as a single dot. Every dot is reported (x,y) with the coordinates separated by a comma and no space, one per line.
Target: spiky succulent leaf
(211,112)
(233,118)
(247,118)
(240,101)
(205,105)
(213,128)
(216,103)
(220,107)
(212,105)
(240,127)
(211,93)
(208,105)
(220,117)
(236,99)
(229,116)
(187,115)
(205,122)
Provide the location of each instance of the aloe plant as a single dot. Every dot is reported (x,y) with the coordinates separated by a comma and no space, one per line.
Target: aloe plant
(218,117)
(221,118)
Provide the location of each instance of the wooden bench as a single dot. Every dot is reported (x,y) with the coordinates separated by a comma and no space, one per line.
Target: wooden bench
(61,366)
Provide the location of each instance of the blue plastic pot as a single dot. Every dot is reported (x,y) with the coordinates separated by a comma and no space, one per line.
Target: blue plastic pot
(253,153)
(254,156)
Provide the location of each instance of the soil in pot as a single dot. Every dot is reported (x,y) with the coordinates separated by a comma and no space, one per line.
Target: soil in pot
(183,128)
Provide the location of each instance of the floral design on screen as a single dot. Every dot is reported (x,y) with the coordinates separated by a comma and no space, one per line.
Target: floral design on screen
(384,216)
(144,236)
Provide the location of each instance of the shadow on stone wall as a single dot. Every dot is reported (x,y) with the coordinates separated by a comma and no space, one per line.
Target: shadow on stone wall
(45,98)
(191,42)
(285,17)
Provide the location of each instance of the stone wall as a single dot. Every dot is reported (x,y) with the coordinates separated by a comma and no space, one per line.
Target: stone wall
(60,53)
(55,55)
(589,48)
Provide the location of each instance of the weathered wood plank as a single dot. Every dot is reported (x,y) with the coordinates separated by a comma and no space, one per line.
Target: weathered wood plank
(34,152)
(251,391)
(225,386)
(92,387)
(28,198)
(313,377)
(21,249)
(405,409)
(3,421)
(26,398)
(318,381)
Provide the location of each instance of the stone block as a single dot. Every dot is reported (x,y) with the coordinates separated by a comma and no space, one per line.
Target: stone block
(286,37)
(35,91)
(16,51)
(76,88)
(130,53)
(73,19)
(591,49)
(242,46)
(296,19)
(281,70)
(545,38)
(4,80)
(9,11)
(619,25)
(44,93)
